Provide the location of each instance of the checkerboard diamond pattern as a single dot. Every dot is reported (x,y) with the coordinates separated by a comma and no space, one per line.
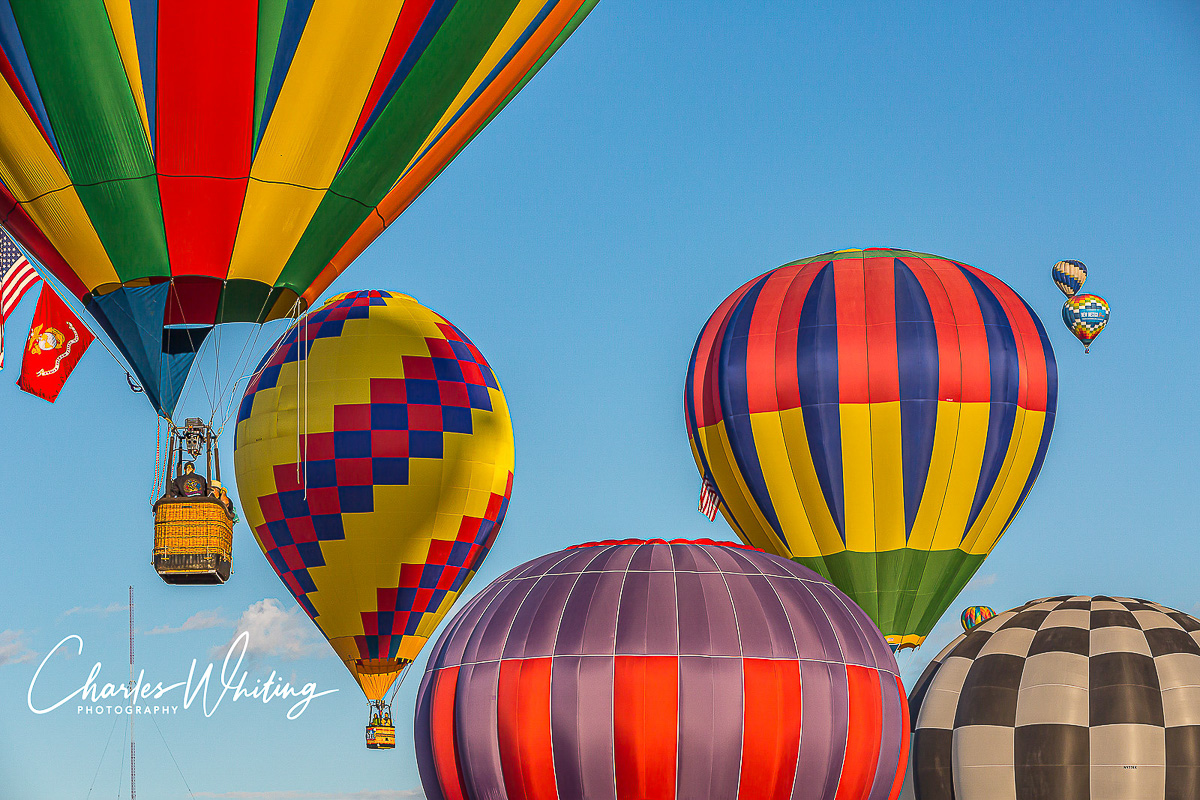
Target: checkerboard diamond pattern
(1067,698)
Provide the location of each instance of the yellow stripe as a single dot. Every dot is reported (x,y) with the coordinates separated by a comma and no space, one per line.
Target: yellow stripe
(309,129)
(887,476)
(826,539)
(517,24)
(120,18)
(945,435)
(57,211)
(1018,462)
(715,444)
(856,477)
(785,498)
(965,466)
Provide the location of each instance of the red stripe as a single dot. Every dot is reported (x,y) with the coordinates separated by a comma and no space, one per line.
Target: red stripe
(206,54)
(770,728)
(974,359)
(15,289)
(1033,386)
(850,293)
(949,358)
(705,387)
(443,735)
(524,729)
(902,764)
(787,382)
(24,230)
(863,736)
(645,722)
(883,379)
(761,394)
(412,14)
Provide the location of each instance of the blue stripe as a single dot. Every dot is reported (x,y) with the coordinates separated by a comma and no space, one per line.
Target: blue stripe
(14,49)
(817,374)
(1051,409)
(917,359)
(145,35)
(295,18)
(429,28)
(1003,361)
(735,404)
(517,45)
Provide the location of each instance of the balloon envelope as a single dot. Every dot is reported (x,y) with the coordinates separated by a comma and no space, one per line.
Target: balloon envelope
(1085,316)
(1069,276)
(374,458)
(878,415)
(648,669)
(1067,698)
(178,165)
(975,615)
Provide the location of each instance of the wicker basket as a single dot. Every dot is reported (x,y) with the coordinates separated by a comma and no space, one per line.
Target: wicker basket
(193,541)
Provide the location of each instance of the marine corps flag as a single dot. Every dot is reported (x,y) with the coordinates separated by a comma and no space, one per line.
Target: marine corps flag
(57,340)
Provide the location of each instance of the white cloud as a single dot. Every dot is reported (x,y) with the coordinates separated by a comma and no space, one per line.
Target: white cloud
(983,581)
(14,647)
(275,631)
(293,794)
(200,621)
(111,608)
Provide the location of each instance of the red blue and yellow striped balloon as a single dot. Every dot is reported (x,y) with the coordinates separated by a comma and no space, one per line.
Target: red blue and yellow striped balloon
(1085,316)
(878,415)
(181,164)
(975,615)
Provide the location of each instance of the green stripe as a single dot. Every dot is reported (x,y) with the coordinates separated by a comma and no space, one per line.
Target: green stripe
(904,591)
(270,24)
(99,131)
(394,139)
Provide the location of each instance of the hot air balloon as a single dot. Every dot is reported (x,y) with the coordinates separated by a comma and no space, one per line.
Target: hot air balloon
(181,165)
(374,458)
(1085,316)
(1067,698)
(660,670)
(1069,276)
(877,415)
(975,615)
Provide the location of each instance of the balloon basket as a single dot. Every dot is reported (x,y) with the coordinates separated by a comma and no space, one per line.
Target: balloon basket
(381,732)
(193,541)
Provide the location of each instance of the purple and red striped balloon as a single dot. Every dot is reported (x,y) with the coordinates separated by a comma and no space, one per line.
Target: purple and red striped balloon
(654,669)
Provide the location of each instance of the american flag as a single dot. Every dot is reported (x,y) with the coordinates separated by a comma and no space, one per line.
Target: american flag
(17,277)
(709,499)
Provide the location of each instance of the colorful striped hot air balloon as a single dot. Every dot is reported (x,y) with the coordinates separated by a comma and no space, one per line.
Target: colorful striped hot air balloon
(1069,276)
(974,615)
(374,458)
(654,670)
(182,164)
(878,415)
(1085,316)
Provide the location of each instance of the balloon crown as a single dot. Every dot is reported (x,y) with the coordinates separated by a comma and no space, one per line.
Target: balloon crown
(712,542)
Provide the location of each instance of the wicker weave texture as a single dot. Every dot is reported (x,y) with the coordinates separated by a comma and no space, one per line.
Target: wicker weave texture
(192,528)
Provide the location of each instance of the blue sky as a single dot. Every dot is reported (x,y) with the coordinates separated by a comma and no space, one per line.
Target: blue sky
(663,157)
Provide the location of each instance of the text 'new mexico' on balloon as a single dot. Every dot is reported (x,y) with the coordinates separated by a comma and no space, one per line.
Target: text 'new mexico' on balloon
(374,458)
(878,415)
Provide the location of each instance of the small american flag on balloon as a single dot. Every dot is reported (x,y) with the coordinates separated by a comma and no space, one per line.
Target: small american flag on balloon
(17,276)
(709,499)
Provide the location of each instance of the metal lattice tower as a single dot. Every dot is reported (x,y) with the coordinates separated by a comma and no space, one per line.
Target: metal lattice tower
(132,705)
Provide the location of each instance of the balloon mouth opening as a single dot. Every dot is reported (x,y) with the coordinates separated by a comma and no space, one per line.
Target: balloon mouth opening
(707,542)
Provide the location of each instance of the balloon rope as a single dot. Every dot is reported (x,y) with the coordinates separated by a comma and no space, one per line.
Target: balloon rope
(157,462)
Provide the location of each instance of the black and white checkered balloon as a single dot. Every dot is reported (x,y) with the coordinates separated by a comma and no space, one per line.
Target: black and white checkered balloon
(1065,698)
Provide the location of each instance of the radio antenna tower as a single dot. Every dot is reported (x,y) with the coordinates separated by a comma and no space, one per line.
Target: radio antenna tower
(133,703)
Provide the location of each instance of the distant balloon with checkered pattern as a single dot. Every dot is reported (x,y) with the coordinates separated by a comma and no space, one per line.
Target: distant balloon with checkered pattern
(1069,276)
(374,457)
(1065,698)
(1085,316)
